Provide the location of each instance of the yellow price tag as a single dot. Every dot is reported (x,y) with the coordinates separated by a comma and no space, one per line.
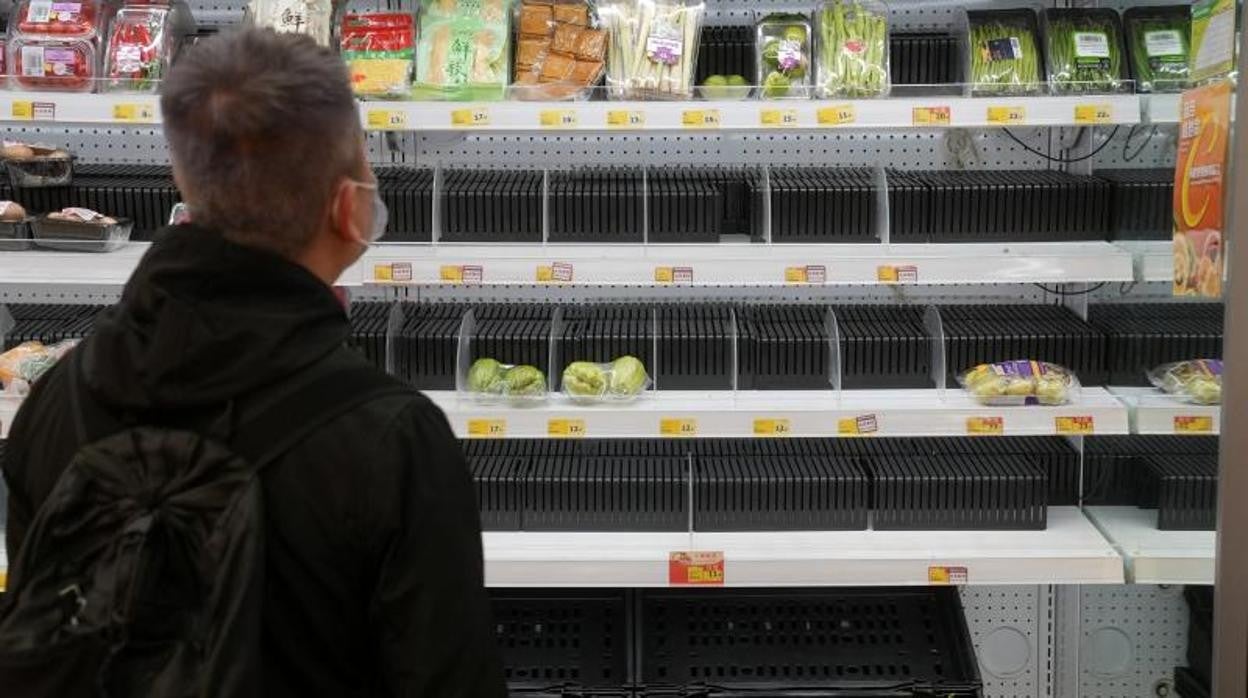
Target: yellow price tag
(385,119)
(1193,425)
(931,116)
(947,575)
(985,426)
(772,427)
(451,273)
(838,115)
(1094,113)
(863,425)
(778,117)
(130,113)
(795,275)
(678,426)
(566,428)
(487,428)
(4,580)
(620,118)
(847,427)
(545,274)
(1007,115)
(23,110)
(1075,426)
(700,118)
(470,118)
(891,274)
(383,272)
(558,118)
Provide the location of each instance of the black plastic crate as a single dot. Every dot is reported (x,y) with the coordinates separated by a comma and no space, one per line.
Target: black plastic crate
(602,333)
(513,333)
(924,60)
(884,346)
(1183,489)
(963,492)
(823,204)
(1054,456)
(425,344)
(695,347)
(783,347)
(1141,203)
(499,481)
(1200,634)
(597,205)
(786,493)
(774,642)
(977,334)
(726,50)
(1112,464)
(1142,336)
(370,323)
(568,643)
(492,205)
(607,493)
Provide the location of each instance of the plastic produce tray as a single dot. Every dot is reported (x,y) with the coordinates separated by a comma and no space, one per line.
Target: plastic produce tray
(822,204)
(603,333)
(50,323)
(602,205)
(1200,635)
(492,205)
(963,492)
(976,334)
(15,236)
(884,346)
(924,60)
(568,643)
(1142,336)
(1183,489)
(779,493)
(1141,203)
(695,347)
(790,642)
(783,347)
(75,236)
(425,344)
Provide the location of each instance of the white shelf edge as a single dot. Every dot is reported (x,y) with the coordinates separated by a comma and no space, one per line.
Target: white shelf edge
(1153,556)
(1154,412)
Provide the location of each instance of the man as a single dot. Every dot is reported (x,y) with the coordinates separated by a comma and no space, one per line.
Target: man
(372,553)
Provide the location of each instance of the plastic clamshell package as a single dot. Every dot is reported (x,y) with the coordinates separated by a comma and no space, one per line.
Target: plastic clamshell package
(785,48)
(80,236)
(41,171)
(653,47)
(1159,47)
(80,19)
(52,64)
(1021,382)
(1198,381)
(853,49)
(490,381)
(1084,51)
(143,41)
(1003,53)
(622,380)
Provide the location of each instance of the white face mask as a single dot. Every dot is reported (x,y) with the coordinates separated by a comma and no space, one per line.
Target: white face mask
(381,214)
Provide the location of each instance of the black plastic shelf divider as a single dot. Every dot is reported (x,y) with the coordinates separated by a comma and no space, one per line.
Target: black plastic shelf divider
(977,334)
(1142,336)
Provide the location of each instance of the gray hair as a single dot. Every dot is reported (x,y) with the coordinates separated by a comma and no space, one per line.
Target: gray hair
(260,127)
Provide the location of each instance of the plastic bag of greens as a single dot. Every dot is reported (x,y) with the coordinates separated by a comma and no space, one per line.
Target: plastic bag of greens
(785,47)
(654,47)
(462,58)
(1159,44)
(489,380)
(1004,53)
(1024,382)
(1198,382)
(1085,51)
(619,381)
(853,49)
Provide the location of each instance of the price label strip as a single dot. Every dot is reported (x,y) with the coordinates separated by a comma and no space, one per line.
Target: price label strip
(678,426)
(470,118)
(673,275)
(566,428)
(619,118)
(1185,424)
(558,118)
(134,113)
(1094,113)
(487,428)
(931,116)
(810,274)
(905,274)
(839,115)
(700,118)
(864,425)
(386,119)
(765,426)
(395,272)
(946,575)
(1007,115)
(778,117)
(985,426)
(1075,426)
(558,272)
(696,568)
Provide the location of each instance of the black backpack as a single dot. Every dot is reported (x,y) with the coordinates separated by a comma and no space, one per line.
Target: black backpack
(143,572)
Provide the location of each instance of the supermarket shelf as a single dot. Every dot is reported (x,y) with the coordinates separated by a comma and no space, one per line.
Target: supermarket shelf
(917,112)
(784,413)
(1153,556)
(1154,412)
(1164,109)
(1154,259)
(1070,551)
(751,265)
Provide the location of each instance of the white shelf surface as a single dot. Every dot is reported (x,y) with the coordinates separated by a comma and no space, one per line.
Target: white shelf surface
(1070,551)
(744,264)
(899,112)
(778,413)
(1154,259)
(1153,556)
(1155,412)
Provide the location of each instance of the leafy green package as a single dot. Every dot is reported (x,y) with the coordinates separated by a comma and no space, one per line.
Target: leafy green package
(619,381)
(1004,53)
(853,49)
(784,43)
(462,59)
(1085,51)
(1159,42)
(1214,39)
(488,379)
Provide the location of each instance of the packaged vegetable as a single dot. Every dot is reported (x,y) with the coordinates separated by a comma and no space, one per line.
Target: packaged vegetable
(1198,381)
(53,65)
(560,51)
(619,381)
(1024,382)
(142,43)
(488,379)
(488,11)
(79,20)
(653,47)
(1159,42)
(1004,53)
(462,58)
(853,49)
(380,51)
(24,364)
(784,45)
(1085,51)
(315,18)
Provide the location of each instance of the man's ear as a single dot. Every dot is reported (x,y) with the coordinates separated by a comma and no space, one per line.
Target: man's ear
(342,211)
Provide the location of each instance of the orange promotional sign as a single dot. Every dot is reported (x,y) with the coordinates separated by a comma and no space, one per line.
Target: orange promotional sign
(1199,185)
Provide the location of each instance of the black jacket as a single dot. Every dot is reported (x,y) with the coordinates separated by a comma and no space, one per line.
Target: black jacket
(374,570)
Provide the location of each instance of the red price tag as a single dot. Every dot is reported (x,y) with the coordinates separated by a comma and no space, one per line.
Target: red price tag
(696,568)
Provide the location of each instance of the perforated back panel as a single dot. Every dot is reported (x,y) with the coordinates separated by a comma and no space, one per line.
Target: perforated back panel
(1010,628)
(1131,639)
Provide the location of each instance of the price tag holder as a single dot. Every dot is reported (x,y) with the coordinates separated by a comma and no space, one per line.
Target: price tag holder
(557,272)
(1075,426)
(838,115)
(678,426)
(622,118)
(558,118)
(863,425)
(778,117)
(696,568)
(765,426)
(385,120)
(985,426)
(810,274)
(905,274)
(930,116)
(940,575)
(673,275)
(1094,113)
(395,272)
(22,110)
(1191,424)
(470,118)
(566,428)
(451,273)
(487,428)
(700,118)
(130,113)
(1007,115)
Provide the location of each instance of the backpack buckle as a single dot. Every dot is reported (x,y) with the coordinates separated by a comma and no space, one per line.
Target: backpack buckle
(79,603)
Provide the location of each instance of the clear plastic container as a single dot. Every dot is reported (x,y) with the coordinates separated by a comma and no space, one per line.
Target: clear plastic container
(54,170)
(80,236)
(1198,381)
(785,47)
(561,50)
(1022,382)
(853,56)
(622,380)
(1085,51)
(314,18)
(1004,57)
(51,64)
(142,43)
(654,47)
(488,380)
(1159,45)
(81,19)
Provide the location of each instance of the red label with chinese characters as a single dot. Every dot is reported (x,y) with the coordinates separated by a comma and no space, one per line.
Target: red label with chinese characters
(696,568)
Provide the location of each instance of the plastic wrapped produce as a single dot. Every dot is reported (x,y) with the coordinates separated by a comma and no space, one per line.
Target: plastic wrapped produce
(1198,381)
(560,50)
(488,379)
(79,20)
(1004,53)
(853,49)
(784,43)
(314,18)
(27,362)
(52,64)
(1023,382)
(619,381)
(380,51)
(1159,43)
(142,43)
(653,47)
(463,57)
(489,11)
(1085,51)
